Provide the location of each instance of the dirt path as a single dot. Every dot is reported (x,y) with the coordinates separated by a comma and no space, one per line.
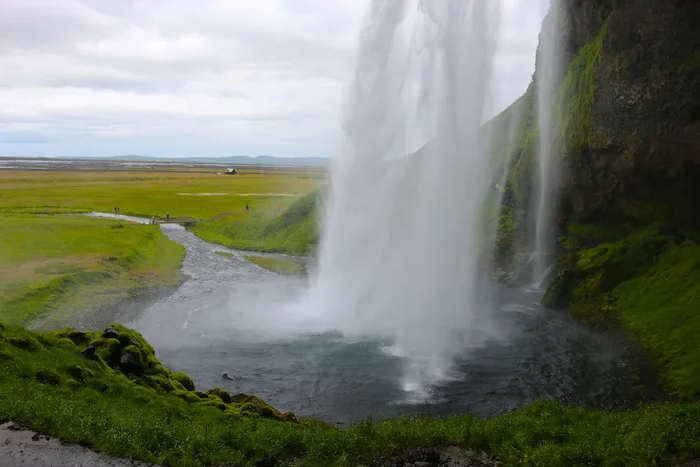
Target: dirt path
(25,448)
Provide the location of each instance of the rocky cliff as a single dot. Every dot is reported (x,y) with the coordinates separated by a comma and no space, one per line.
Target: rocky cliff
(627,133)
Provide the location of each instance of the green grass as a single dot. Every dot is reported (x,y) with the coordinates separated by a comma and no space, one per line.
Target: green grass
(225,254)
(648,282)
(291,231)
(65,266)
(146,193)
(49,386)
(278,265)
(661,309)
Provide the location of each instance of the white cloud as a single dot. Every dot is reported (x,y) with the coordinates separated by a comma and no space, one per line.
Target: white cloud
(183,77)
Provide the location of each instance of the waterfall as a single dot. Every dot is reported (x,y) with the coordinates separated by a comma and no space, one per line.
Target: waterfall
(547,78)
(399,250)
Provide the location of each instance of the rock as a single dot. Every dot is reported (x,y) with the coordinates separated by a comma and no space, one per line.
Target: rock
(48,376)
(110,333)
(130,362)
(89,352)
(183,379)
(240,397)
(76,372)
(221,394)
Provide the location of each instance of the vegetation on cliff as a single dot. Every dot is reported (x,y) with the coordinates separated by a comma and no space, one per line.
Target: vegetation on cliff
(108,391)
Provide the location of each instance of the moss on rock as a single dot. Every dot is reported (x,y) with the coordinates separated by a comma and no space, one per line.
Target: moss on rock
(24,342)
(183,379)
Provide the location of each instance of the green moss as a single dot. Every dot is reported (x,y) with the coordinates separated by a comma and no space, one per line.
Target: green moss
(48,376)
(574,99)
(660,309)
(225,254)
(25,343)
(691,64)
(76,372)
(186,395)
(183,379)
(221,394)
(279,265)
(108,349)
(216,403)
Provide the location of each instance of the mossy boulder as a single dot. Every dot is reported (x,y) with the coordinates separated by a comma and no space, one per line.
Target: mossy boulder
(108,349)
(76,372)
(221,394)
(24,343)
(214,402)
(131,360)
(48,376)
(77,337)
(188,396)
(183,379)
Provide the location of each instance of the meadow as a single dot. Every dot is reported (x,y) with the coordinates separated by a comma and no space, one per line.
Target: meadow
(193,193)
(56,268)
(59,268)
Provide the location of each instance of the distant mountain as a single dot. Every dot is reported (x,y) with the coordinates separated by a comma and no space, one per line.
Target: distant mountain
(233,160)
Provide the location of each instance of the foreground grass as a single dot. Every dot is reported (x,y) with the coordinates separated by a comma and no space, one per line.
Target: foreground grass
(191,193)
(278,265)
(292,231)
(157,416)
(63,266)
(648,282)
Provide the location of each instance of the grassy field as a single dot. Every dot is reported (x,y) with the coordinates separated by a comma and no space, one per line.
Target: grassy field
(292,231)
(278,265)
(158,416)
(59,267)
(191,193)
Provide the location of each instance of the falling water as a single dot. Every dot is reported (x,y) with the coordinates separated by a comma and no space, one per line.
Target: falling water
(398,256)
(547,78)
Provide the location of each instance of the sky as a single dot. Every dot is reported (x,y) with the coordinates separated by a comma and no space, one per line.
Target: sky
(182,78)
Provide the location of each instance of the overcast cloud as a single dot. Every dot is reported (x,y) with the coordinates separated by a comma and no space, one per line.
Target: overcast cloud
(197,77)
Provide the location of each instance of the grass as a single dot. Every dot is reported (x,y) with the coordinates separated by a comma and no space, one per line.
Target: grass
(292,231)
(648,282)
(225,254)
(278,265)
(146,193)
(67,266)
(50,386)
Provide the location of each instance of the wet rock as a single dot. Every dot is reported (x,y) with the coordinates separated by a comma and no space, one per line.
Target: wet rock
(110,333)
(130,362)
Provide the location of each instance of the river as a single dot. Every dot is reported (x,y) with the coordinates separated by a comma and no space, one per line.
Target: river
(232,317)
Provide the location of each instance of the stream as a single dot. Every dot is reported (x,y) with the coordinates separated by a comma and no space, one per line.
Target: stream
(233,318)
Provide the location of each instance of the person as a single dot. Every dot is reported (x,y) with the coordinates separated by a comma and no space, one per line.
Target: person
(247,208)
(167,216)
(115,211)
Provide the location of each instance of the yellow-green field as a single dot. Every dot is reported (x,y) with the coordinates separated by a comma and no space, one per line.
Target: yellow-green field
(56,267)
(192,193)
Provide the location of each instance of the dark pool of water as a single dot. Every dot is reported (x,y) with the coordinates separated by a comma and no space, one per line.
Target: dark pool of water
(221,321)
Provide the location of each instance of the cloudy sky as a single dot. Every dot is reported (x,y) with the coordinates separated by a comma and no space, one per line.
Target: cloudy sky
(183,78)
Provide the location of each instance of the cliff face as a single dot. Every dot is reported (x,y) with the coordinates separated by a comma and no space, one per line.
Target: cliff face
(627,133)
(637,157)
